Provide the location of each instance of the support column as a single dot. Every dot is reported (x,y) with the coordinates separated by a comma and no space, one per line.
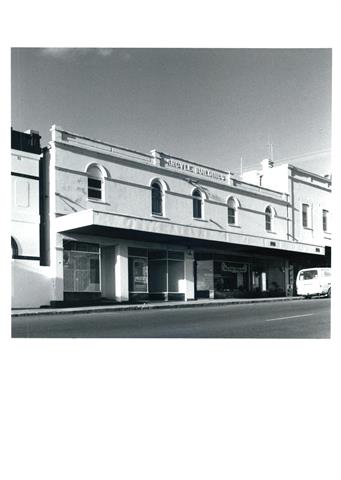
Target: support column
(108,272)
(121,273)
(57,269)
(189,275)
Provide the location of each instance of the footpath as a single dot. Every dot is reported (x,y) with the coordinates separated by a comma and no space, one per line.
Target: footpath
(148,306)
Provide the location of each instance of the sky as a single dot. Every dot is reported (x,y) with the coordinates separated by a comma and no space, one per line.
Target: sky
(219,107)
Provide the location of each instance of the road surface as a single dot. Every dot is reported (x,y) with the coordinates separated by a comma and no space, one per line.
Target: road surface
(290,319)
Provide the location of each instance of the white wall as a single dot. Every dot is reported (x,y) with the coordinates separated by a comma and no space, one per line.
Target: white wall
(31,284)
(127,192)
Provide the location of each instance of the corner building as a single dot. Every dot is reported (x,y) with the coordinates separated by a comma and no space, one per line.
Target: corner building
(130,226)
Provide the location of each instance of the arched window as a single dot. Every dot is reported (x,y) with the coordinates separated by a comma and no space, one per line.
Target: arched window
(197,203)
(268,218)
(95,182)
(231,211)
(157,206)
(15,250)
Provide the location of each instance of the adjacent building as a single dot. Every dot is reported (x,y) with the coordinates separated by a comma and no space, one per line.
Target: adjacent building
(30,275)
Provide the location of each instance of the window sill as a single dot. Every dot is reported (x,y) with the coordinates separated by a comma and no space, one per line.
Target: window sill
(308,228)
(271,231)
(155,215)
(94,200)
(199,219)
(233,225)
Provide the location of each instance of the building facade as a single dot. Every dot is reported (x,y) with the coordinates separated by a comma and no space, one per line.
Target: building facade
(122,225)
(30,275)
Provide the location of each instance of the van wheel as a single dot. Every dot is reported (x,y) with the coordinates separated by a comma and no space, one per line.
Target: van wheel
(329,294)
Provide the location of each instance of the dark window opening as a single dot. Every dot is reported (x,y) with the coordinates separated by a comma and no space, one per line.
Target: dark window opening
(156,199)
(325,220)
(197,204)
(268,219)
(305,209)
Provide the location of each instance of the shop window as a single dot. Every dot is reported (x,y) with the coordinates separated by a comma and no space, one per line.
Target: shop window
(138,275)
(137,252)
(268,219)
(157,199)
(197,204)
(95,183)
(160,274)
(81,267)
(231,211)
(325,222)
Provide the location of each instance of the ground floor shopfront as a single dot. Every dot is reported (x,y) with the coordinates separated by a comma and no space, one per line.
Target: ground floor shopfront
(123,270)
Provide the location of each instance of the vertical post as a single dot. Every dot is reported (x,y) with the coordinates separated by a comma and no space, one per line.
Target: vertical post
(57,269)
(263,281)
(189,275)
(108,271)
(121,273)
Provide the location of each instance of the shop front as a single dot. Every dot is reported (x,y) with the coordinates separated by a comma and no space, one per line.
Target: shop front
(156,274)
(223,276)
(82,266)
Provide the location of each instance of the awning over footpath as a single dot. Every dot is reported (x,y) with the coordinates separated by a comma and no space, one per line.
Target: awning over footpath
(85,220)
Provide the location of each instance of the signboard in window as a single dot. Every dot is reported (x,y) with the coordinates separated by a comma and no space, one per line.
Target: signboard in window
(233,267)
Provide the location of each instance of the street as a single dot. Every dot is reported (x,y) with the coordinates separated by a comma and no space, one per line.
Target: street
(290,319)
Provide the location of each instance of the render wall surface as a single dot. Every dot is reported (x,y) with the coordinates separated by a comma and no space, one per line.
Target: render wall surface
(31,284)
(318,199)
(128,192)
(25,203)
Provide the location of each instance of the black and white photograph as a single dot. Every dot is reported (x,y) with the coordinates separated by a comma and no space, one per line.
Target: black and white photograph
(170,240)
(178,193)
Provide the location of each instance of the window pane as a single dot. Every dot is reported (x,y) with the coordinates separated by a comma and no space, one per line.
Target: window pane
(196,208)
(137,252)
(268,222)
(81,271)
(325,220)
(94,270)
(176,255)
(156,199)
(231,215)
(80,246)
(157,276)
(92,182)
(138,275)
(157,253)
(94,193)
(176,275)
(305,210)
(308,275)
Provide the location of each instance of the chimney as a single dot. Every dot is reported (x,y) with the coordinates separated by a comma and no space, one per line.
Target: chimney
(267,163)
(32,132)
(155,157)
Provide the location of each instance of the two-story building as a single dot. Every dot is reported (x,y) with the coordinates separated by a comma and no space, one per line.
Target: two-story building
(30,274)
(130,226)
(310,203)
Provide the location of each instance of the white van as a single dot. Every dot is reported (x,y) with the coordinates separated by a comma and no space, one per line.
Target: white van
(314,281)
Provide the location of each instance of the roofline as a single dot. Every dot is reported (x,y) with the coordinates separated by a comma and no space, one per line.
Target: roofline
(307,172)
(59,128)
